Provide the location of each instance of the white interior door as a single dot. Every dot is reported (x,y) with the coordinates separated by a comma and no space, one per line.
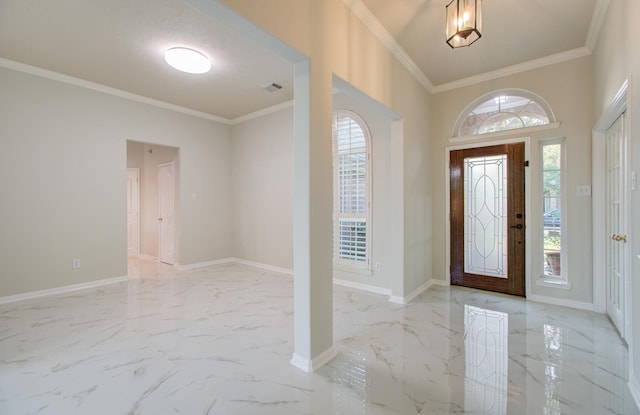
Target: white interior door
(133,211)
(616,223)
(166,213)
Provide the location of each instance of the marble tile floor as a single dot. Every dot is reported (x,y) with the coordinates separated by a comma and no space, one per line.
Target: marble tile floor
(218,340)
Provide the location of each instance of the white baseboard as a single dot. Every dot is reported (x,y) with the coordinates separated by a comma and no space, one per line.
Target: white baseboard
(311,365)
(62,290)
(415,293)
(562,302)
(634,388)
(267,267)
(440,283)
(204,264)
(145,256)
(360,286)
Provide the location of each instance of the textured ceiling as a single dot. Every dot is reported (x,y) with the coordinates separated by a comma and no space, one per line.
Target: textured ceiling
(120,44)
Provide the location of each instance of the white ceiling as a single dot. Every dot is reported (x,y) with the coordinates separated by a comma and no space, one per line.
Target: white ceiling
(120,44)
(514,32)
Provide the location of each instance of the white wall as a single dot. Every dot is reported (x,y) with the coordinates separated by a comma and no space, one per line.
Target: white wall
(262,189)
(63,174)
(616,58)
(339,44)
(567,89)
(262,168)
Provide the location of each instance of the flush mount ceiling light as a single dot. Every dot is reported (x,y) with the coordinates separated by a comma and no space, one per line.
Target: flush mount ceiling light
(464,22)
(187,60)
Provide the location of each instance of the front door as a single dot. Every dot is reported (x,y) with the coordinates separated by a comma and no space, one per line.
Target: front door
(487,218)
(166,213)
(617,250)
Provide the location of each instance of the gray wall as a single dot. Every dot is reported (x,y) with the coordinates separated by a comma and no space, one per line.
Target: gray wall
(262,195)
(63,178)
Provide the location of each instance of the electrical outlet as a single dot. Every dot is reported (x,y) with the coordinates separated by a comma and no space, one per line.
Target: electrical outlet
(75,264)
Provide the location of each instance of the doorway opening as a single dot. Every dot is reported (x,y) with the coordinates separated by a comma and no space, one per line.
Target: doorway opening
(152,220)
(611,187)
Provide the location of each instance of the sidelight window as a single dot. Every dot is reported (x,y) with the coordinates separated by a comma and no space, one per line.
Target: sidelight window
(552,154)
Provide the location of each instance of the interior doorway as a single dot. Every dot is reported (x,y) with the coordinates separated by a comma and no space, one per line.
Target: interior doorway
(159,170)
(611,186)
(487,217)
(617,251)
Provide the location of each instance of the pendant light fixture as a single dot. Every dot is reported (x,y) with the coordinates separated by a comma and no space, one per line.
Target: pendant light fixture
(464,22)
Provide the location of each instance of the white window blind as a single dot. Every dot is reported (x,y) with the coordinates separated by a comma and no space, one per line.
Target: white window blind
(351,188)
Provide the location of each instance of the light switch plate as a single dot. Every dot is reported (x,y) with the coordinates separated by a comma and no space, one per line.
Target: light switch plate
(583,191)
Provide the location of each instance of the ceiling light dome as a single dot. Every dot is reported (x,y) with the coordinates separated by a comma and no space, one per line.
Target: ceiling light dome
(187,60)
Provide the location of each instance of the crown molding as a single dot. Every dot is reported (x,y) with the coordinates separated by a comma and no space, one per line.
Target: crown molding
(597,20)
(514,69)
(262,112)
(55,76)
(371,21)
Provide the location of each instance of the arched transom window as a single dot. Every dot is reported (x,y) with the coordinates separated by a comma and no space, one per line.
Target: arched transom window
(503,110)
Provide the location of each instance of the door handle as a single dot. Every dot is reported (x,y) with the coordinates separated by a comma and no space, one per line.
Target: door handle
(160,219)
(518,226)
(619,238)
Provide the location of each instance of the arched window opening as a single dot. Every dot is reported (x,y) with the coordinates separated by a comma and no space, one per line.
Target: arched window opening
(352,190)
(501,111)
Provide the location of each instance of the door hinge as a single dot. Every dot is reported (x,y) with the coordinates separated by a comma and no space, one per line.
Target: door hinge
(526,163)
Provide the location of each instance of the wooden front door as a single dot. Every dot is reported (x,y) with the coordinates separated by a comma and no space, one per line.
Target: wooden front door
(487,218)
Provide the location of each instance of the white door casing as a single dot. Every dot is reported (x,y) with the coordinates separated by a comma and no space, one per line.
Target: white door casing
(166,213)
(616,223)
(133,211)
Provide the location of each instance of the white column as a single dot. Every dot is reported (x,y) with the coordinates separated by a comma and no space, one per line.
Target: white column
(312,216)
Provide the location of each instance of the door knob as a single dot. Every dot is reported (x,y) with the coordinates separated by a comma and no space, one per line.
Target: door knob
(160,219)
(518,226)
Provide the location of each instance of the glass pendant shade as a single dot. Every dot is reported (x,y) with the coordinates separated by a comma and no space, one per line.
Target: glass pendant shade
(464,22)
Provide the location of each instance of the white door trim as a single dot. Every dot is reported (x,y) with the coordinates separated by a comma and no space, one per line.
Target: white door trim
(136,227)
(527,201)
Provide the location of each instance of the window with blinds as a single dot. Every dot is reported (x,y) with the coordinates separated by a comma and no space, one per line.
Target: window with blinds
(351,190)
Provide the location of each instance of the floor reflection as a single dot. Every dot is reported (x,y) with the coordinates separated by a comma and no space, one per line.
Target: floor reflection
(553,369)
(350,391)
(486,342)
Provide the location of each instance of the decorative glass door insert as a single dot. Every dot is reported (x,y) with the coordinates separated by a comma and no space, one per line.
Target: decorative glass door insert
(485,215)
(487,218)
